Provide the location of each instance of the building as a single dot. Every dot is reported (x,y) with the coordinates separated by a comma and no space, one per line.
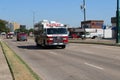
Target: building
(16,26)
(13,26)
(22,26)
(93,28)
(113,22)
(92,24)
(10,26)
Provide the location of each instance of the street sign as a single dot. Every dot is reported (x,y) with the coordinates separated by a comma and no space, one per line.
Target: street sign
(104,27)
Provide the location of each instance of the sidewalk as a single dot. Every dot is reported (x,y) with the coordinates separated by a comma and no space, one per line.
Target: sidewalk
(5,73)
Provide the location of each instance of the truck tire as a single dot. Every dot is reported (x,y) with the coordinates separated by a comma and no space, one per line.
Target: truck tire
(38,45)
(43,44)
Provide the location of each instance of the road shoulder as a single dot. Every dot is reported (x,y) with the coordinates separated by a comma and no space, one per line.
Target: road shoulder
(5,73)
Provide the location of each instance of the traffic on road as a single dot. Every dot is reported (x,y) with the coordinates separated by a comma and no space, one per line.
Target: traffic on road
(75,62)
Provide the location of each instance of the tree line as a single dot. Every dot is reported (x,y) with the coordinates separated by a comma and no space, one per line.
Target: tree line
(4,28)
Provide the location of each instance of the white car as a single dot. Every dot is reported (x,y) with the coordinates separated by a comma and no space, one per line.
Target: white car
(92,35)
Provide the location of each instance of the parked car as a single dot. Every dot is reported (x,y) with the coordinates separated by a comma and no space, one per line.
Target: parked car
(92,35)
(3,33)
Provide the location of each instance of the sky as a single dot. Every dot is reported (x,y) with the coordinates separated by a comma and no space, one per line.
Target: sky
(64,11)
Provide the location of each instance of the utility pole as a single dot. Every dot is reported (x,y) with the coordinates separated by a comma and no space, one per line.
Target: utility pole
(118,23)
(84,9)
(33,19)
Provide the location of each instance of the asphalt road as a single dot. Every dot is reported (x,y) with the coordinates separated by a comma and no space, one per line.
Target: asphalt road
(76,62)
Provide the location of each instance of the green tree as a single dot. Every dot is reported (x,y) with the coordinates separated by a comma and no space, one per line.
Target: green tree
(3,27)
(22,30)
(31,30)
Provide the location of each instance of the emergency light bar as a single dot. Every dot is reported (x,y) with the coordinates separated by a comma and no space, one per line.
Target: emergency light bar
(54,24)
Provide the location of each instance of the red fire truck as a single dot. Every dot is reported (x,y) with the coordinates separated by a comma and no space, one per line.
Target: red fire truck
(50,33)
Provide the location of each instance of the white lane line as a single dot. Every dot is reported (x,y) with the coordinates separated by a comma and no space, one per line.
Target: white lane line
(53,53)
(97,67)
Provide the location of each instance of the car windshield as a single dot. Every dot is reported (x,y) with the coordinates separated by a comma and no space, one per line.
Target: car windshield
(56,31)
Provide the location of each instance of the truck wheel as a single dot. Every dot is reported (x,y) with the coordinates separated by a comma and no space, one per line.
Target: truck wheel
(38,45)
(43,44)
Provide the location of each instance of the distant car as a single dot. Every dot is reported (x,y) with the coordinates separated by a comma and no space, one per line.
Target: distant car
(74,36)
(9,36)
(21,37)
(3,33)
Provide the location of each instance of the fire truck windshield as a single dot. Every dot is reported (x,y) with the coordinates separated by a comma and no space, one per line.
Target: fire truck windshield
(56,31)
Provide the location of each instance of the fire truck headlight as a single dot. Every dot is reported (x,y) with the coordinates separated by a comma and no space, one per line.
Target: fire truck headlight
(49,38)
(65,38)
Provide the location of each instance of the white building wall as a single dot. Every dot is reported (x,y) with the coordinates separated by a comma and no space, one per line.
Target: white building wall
(107,33)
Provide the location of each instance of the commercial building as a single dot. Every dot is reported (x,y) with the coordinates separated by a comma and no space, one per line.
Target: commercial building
(98,24)
(13,26)
(92,28)
(113,21)
(22,26)
(114,29)
(86,26)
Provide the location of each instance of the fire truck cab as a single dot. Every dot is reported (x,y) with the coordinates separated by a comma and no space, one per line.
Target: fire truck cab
(50,33)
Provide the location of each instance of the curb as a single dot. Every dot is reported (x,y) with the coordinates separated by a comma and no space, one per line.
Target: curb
(94,42)
(16,74)
(5,73)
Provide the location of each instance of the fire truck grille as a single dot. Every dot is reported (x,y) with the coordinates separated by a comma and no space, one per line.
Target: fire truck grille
(58,40)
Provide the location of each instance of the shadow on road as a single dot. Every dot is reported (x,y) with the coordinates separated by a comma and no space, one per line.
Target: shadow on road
(33,47)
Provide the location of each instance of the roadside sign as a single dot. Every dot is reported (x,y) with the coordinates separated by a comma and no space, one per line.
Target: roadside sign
(104,27)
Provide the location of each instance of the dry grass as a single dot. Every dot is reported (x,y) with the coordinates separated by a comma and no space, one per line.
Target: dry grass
(19,69)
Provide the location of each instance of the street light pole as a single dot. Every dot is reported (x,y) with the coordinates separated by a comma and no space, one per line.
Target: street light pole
(84,9)
(118,23)
(33,18)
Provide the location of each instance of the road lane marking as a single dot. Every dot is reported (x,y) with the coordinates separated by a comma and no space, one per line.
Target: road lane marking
(97,67)
(53,53)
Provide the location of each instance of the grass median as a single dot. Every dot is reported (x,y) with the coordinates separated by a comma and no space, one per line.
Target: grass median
(19,69)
